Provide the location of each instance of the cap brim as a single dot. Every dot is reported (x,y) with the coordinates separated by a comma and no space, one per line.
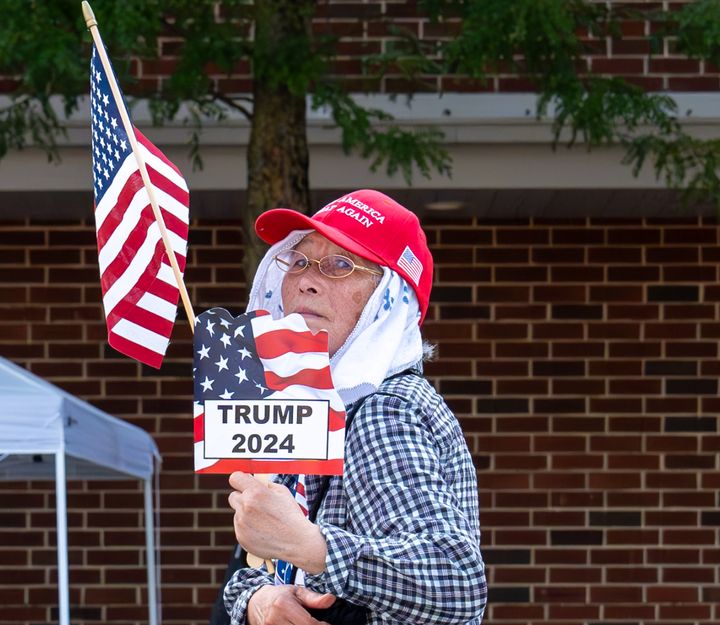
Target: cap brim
(274,225)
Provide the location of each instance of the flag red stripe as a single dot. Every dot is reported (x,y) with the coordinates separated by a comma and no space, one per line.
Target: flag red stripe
(278,342)
(132,185)
(134,350)
(314,378)
(336,421)
(168,186)
(199,428)
(162,289)
(136,237)
(144,318)
(309,467)
(174,224)
(300,489)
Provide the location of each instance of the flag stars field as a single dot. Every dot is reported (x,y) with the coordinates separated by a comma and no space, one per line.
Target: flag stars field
(103,149)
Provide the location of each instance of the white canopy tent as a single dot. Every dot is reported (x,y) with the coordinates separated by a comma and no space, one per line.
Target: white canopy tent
(38,419)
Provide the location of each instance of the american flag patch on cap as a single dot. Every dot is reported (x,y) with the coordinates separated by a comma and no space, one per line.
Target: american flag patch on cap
(410,263)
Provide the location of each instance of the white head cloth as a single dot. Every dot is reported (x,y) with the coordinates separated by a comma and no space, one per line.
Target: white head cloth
(385,341)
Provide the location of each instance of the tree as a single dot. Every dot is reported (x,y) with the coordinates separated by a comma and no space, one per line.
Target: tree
(44,50)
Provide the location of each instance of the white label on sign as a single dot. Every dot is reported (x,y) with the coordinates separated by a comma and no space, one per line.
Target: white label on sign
(268,429)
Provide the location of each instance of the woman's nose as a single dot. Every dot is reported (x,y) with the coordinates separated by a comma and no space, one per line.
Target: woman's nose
(310,280)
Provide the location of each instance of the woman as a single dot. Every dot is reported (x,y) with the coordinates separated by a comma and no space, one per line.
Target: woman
(398,534)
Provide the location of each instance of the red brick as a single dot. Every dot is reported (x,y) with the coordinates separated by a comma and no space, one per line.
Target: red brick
(521,312)
(557,331)
(613,331)
(627,47)
(516,85)
(577,274)
(632,386)
(689,500)
(694,83)
(674,66)
(560,594)
(561,556)
(559,294)
(638,462)
(633,273)
(637,312)
(685,611)
(613,255)
(614,481)
(632,537)
(624,612)
(504,294)
(686,536)
(628,556)
(702,575)
(571,386)
(631,499)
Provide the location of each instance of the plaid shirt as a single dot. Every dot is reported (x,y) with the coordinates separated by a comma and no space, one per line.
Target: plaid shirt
(401,525)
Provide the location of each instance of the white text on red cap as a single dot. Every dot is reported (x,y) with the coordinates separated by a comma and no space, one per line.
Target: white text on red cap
(341,206)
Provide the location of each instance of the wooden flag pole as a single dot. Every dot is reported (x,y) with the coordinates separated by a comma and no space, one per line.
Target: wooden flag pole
(91,23)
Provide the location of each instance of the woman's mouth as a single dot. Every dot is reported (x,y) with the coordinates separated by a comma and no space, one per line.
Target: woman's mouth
(309,314)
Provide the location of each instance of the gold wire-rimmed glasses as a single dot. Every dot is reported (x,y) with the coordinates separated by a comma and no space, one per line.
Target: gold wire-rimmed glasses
(333,265)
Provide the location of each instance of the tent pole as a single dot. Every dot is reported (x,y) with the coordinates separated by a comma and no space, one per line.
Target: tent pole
(62,544)
(150,548)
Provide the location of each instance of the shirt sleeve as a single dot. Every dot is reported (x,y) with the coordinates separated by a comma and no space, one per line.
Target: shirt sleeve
(407,550)
(241,587)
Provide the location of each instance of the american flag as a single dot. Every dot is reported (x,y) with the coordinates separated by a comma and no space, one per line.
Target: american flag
(410,263)
(253,357)
(140,293)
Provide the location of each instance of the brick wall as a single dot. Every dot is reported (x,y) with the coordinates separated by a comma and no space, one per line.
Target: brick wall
(367,28)
(581,357)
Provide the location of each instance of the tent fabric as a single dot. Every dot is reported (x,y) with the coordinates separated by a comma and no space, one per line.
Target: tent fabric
(39,418)
(46,433)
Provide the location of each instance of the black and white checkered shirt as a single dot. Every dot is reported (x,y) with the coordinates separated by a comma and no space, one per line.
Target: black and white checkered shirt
(401,525)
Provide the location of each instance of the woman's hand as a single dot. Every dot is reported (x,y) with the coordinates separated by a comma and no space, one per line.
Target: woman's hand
(269,523)
(282,605)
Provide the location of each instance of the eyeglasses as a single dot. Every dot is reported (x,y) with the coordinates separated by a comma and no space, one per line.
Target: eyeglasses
(332,266)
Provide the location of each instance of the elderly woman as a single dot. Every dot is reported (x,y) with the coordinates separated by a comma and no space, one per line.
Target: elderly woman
(396,538)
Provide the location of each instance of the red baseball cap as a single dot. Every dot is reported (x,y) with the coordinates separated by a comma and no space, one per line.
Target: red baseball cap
(367,223)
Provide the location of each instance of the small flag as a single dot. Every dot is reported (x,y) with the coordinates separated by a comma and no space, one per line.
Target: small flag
(255,358)
(283,568)
(410,263)
(140,293)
